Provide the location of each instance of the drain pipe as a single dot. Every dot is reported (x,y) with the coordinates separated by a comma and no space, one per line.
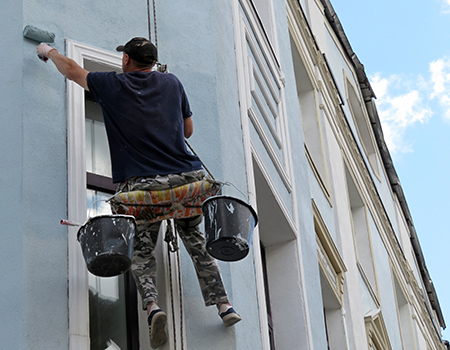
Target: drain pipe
(344,322)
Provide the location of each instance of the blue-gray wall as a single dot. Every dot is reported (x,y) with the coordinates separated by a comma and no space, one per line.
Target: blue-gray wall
(196,41)
(12,294)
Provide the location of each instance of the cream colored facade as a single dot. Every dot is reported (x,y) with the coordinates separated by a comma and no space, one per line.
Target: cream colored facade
(376,290)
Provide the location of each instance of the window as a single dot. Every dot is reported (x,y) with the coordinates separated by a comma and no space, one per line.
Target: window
(97,151)
(113,300)
(362,125)
(332,271)
(404,315)
(361,235)
(312,129)
(267,292)
(377,336)
(92,298)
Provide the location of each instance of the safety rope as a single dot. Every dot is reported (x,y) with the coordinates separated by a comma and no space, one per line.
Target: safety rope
(154,24)
(171,238)
(172,246)
(171,233)
(204,166)
(148,21)
(181,299)
(163,67)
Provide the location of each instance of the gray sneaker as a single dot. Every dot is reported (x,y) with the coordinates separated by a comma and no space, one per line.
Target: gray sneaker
(157,328)
(230,317)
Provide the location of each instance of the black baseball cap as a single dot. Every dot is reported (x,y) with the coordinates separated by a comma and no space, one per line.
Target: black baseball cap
(140,50)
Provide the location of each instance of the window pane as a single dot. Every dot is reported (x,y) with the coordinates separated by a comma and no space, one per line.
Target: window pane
(88,136)
(107,311)
(97,150)
(101,163)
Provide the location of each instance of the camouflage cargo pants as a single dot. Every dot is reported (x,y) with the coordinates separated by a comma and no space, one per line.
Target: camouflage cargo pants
(144,263)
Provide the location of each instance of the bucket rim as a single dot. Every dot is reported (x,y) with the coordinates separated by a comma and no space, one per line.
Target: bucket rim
(123,216)
(253,211)
(91,218)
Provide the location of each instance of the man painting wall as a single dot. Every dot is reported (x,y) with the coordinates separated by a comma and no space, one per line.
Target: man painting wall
(147,116)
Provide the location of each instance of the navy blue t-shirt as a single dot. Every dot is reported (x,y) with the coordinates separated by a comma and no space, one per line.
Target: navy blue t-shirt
(144,118)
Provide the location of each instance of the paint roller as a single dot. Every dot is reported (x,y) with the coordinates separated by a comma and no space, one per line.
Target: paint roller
(39,35)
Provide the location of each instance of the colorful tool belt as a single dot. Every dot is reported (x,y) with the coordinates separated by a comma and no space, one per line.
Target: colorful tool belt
(179,202)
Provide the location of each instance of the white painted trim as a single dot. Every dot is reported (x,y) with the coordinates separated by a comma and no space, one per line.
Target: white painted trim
(260,34)
(260,64)
(245,73)
(78,302)
(244,102)
(269,148)
(292,223)
(287,153)
(270,74)
(259,80)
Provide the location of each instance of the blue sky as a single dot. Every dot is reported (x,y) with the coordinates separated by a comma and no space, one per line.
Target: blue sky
(405,48)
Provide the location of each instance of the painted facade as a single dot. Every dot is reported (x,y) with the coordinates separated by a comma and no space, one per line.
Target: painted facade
(283,111)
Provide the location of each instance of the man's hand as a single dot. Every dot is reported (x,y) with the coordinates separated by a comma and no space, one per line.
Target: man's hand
(66,66)
(43,51)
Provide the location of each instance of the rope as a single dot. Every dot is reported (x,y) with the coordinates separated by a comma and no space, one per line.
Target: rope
(171,234)
(170,237)
(172,246)
(181,299)
(148,19)
(163,67)
(204,166)
(154,24)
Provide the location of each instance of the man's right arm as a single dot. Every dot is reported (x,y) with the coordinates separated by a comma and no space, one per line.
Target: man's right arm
(188,127)
(66,66)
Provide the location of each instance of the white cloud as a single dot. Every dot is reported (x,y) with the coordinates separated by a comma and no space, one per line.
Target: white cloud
(445,6)
(401,103)
(437,78)
(440,80)
(379,85)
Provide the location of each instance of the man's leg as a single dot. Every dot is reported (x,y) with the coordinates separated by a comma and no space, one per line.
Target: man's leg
(143,267)
(206,267)
(144,273)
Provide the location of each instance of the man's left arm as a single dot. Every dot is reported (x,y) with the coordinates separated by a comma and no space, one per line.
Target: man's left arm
(66,66)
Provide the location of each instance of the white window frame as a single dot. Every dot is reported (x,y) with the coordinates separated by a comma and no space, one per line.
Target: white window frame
(78,301)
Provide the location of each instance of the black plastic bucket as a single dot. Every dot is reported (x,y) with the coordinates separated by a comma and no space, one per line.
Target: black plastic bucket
(229,225)
(107,244)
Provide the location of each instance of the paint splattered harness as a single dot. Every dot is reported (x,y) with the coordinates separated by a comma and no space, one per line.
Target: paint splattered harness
(157,205)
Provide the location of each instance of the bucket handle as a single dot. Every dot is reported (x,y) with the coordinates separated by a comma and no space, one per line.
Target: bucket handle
(98,200)
(243,194)
(77,224)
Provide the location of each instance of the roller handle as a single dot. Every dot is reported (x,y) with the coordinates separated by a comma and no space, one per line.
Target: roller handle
(45,59)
